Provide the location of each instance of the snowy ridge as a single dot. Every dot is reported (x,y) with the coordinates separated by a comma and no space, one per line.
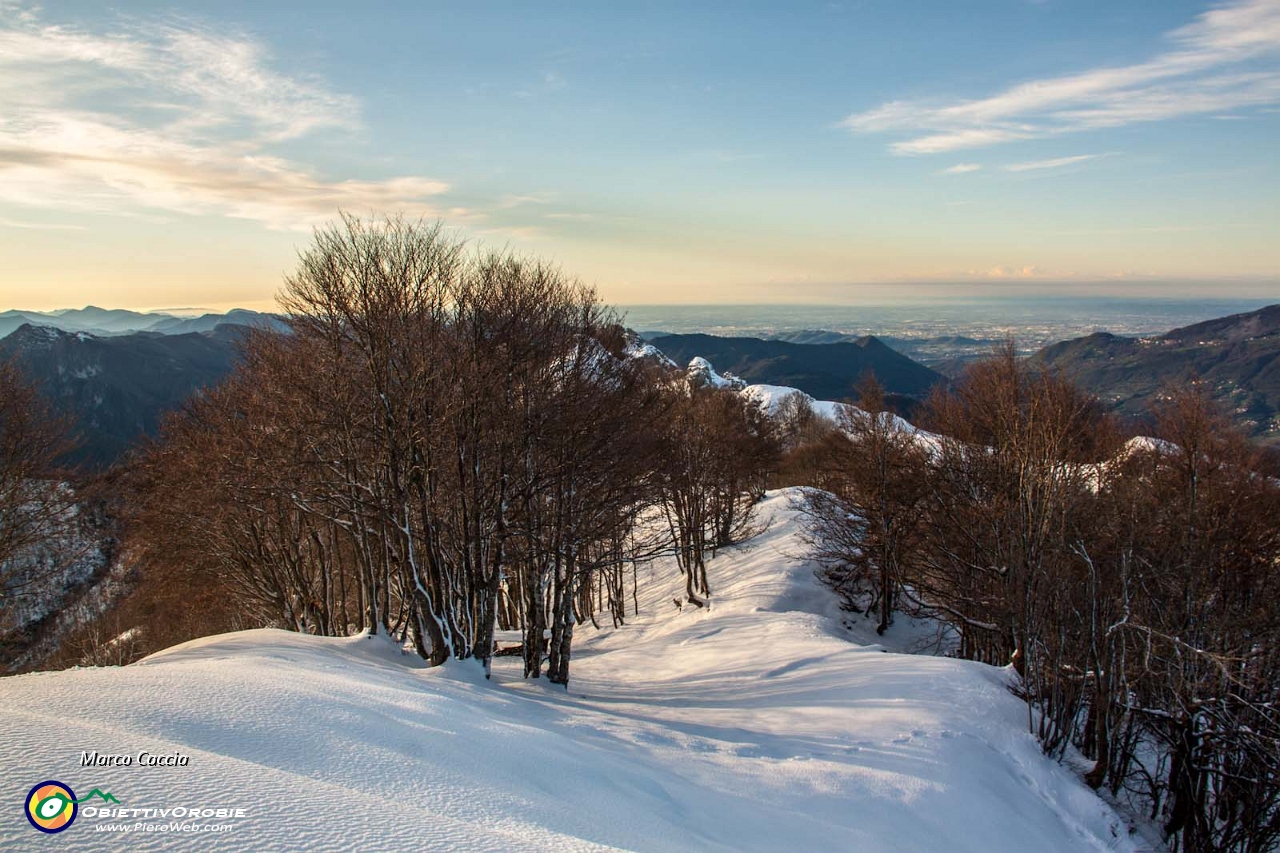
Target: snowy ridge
(637,348)
(700,372)
(753,725)
(771,397)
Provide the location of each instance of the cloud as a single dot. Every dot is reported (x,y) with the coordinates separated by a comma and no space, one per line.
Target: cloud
(961,169)
(513,200)
(1010,273)
(1227,58)
(1055,163)
(173,117)
(522,233)
(6,222)
(939,143)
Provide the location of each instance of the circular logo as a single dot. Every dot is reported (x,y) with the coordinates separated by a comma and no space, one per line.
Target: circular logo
(51,806)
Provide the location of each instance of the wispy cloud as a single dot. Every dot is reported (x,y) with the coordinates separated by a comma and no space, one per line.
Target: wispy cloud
(522,233)
(1054,163)
(1008,273)
(174,117)
(6,222)
(1226,59)
(515,200)
(961,169)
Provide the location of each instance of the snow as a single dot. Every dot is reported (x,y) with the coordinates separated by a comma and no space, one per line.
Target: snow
(756,724)
(770,397)
(49,582)
(701,372)
(637,348)
(38,336)
(1146,444)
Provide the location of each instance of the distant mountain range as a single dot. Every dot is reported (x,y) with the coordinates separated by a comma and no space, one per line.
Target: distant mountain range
(117,388)
(104,321)
(118,384)
(1239,356)
(825,371)
(946,354)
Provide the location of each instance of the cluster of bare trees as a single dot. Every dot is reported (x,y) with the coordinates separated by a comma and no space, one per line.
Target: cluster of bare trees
(720,447)
(1131,585)
(1179,698)
(40,515)
(870,474)
(32,441)
(447,444)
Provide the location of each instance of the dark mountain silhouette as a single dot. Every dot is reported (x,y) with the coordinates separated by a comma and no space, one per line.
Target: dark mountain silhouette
(826,371)
(117,321)
(1231,329)
(1238,356)
(117,388)
(814,336)
(93,318)
(100,321)
(903,345)
(209,322)
(11,321)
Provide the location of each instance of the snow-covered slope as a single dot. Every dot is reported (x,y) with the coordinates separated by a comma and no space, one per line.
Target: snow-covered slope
(771,398)
(754,725)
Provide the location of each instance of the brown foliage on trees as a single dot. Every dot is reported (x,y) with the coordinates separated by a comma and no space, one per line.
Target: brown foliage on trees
(447,444)
(38,507)
(718,450)
(1132,587)
(865,520)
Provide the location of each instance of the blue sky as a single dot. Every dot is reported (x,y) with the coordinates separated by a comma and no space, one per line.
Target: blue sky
(161,156)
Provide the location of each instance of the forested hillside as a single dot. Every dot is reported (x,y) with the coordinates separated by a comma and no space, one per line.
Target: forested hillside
(1238,357)
(117,389)
(827,371)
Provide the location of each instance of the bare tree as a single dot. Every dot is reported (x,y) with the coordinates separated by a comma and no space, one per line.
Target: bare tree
(865,522)
(446,444)
(1008,476)
(720,449)
(1131,587)
(39,513)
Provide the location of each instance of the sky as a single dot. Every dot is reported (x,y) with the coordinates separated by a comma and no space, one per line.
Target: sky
(156,156)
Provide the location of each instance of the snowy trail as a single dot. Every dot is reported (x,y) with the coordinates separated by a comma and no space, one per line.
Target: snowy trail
(754,725)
